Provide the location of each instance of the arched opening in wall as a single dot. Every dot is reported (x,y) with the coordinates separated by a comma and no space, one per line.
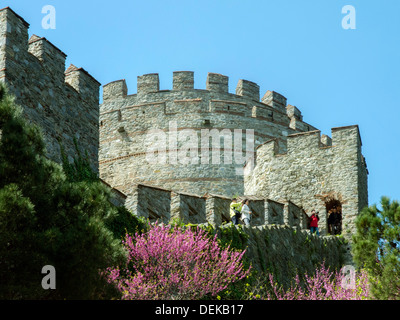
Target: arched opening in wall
(333,202)
(334,214)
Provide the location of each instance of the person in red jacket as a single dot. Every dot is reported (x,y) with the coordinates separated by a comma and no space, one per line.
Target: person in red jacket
(314,222)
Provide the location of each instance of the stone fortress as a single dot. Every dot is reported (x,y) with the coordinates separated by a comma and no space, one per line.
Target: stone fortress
(291,170)
(293,163)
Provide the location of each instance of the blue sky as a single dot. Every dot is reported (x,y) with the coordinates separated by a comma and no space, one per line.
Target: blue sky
(336,77)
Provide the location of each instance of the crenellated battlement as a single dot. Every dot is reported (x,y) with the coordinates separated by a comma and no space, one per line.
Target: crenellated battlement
(217,83)
(65,103)
(184,80)
(277,233)
(125,120)
(313,165)
(15,46)
(295,168)
(248,90)
(312,140)
(216,97)
(115,90)
(83,83)
(157,203)
(52,58)
(148,83)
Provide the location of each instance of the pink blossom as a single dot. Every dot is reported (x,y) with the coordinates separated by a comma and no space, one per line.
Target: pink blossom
(323,285)
(171,264)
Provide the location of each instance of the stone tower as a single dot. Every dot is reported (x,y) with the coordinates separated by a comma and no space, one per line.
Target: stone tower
(314,175)
(204,145)
(184,113)
(64,103)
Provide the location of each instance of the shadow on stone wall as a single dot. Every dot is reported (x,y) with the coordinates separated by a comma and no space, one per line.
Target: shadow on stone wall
(277,242)
(286,251)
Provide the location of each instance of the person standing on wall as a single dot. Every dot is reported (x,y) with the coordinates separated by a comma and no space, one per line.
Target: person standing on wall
(235,209)
(246,213)
(331,221)
(336,221)
(314,219)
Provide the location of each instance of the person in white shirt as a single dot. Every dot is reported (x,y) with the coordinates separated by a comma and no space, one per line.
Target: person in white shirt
(246,213)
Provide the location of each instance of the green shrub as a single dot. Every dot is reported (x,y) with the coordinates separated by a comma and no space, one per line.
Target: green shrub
(47,219)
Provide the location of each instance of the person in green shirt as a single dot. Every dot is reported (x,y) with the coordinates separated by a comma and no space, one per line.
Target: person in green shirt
(235,209)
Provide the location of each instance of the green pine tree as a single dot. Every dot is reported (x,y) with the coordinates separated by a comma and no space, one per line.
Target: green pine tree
(45,219)
(377,248)
(80,170)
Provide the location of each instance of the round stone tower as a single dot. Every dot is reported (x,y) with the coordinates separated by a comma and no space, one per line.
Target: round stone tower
(185,139)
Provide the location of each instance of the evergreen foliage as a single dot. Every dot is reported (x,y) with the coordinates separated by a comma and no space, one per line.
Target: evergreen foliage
(80,170)
(377,248)
(45,219)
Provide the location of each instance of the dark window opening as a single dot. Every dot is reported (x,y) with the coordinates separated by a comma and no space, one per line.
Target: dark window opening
(334,213)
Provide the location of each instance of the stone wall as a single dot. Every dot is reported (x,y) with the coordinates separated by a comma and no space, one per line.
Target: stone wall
(155,205)
(64,103)
(278,239)
(292,172)
(188,208)
(118,199)
(286,251)
(131,124)
(158,203)
(309,170)
(274,212)
(218,210)
(257,207)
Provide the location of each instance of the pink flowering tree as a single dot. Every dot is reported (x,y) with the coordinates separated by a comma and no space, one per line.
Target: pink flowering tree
(174,263)
(323,285)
